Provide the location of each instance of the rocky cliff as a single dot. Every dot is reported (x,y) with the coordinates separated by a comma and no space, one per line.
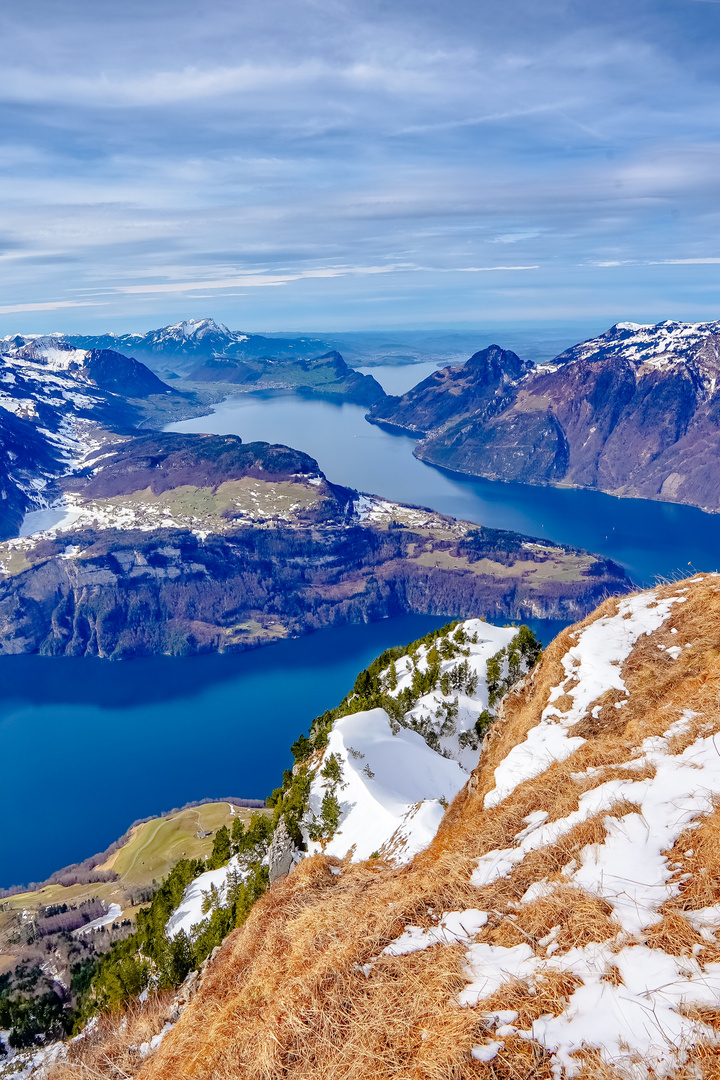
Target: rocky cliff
(184,543)
(635,412)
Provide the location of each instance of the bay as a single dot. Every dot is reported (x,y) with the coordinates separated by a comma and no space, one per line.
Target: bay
(650,539)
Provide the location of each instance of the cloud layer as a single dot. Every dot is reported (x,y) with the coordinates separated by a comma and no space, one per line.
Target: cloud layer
(321,163)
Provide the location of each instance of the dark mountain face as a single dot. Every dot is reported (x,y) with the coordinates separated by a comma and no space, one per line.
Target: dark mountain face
(633,412)
(169,460)
(56,402)
(122,375)
(327,375)
(474,387)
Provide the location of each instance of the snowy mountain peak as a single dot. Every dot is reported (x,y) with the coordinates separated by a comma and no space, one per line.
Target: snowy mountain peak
(197,328)
(661,344)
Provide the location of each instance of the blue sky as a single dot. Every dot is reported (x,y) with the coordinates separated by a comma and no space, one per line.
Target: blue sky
(329,165)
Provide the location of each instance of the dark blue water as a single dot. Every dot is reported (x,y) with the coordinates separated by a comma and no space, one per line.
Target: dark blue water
(88,746)
(650,539)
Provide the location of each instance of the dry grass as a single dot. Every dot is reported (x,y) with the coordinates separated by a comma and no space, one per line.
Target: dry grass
(288,996)
(112,1050)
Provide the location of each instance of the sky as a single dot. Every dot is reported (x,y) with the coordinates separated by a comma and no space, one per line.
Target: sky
(329,165)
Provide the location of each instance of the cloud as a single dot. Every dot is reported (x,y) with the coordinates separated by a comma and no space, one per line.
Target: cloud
(48,305)
(287,157)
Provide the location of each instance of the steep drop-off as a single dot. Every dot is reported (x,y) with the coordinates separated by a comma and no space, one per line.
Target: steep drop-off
(184,543)
(561,924)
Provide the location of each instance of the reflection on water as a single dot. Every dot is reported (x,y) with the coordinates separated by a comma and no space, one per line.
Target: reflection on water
(647,538)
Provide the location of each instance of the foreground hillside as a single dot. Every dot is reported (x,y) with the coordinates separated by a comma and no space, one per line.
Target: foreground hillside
(633,412)
(563,920)
(53,933)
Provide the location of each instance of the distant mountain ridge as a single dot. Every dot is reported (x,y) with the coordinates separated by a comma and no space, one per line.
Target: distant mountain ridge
(195,339)
(205,351)
(633,412)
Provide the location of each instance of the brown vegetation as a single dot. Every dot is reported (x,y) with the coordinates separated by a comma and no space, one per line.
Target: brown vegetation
(302,990)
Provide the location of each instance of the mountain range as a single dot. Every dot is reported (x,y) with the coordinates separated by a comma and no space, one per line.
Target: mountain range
(634,412)
(206,352)
(190,340)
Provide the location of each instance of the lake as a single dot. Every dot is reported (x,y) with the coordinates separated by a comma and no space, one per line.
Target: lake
(650,539)
(88,746)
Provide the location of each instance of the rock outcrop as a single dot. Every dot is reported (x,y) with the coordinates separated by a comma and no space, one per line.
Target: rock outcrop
(635,412)
(186,543)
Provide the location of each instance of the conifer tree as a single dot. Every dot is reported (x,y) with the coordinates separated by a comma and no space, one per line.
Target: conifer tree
(221,849)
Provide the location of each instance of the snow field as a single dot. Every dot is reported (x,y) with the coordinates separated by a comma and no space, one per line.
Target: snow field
(632,1004)
(395,786)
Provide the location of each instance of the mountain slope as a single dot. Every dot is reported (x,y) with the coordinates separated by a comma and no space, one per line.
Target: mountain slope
(57,404)
(327,375)
(634,412)
(184,543)
(561,924)
(453,392)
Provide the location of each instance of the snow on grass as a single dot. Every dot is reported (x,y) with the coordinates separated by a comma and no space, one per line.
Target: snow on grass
(634,1019)
(629,869)
(189,912)
(454,928)
(398,778)
(592,668)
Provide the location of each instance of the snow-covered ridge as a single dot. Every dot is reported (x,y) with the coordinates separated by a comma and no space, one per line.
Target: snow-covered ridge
(659,346)
(641,995)
(395,775)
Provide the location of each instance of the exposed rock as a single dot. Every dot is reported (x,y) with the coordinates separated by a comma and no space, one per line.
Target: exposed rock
(280,855)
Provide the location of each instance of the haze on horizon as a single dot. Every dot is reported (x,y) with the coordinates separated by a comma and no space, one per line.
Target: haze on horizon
(321,164)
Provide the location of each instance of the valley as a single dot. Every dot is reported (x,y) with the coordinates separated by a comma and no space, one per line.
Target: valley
(195,544)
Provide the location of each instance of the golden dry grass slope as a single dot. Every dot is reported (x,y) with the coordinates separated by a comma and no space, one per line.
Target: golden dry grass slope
(562,923)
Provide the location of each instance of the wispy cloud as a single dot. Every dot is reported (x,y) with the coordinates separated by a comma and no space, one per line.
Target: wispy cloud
(287,161)
(48,305)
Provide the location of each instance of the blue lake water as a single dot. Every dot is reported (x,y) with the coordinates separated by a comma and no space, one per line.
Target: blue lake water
(650,539)
(87,746)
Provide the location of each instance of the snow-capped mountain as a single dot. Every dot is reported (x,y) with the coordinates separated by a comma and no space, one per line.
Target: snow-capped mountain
(633,412)
(186,342)
(57,404)
(657,346)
